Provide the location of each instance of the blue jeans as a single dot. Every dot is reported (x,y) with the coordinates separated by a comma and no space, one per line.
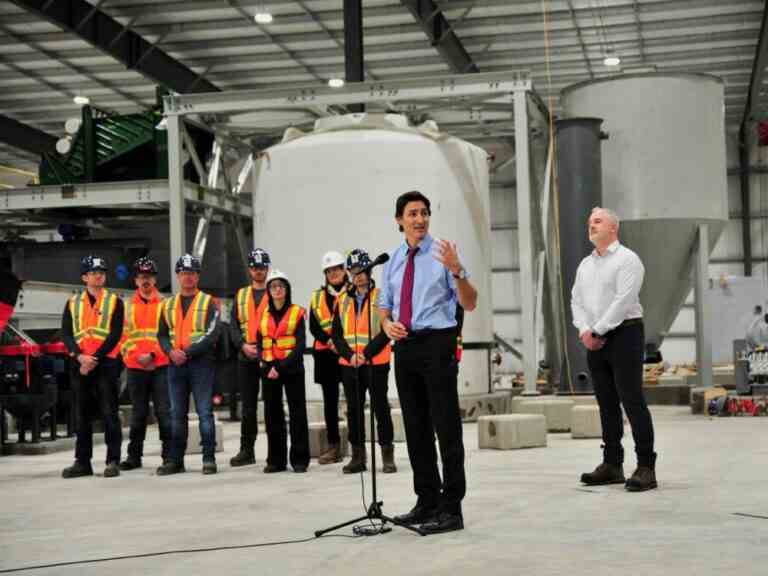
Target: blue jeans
(196,376)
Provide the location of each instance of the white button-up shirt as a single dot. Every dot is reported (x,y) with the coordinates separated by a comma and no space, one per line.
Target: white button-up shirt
(607,289)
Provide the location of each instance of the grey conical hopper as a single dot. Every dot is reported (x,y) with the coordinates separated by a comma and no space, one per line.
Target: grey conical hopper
(664,173)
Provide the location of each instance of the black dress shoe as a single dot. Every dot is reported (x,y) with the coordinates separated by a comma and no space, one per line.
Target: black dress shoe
(604,474)
(443,522)
(418,515)
(643,479)
(130,464)
(112,470)
(300,469)
(209,467)
(271,469)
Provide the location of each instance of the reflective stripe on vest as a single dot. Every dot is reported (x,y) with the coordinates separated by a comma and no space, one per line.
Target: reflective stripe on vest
(91,324)
(277,341)
(192,326)
(356,329)
(319,307)
(142,323)
(249,314)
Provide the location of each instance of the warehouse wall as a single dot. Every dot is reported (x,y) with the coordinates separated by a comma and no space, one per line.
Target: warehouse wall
(726,258)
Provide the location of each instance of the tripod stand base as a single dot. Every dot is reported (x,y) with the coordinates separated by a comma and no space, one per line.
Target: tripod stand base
(374,513)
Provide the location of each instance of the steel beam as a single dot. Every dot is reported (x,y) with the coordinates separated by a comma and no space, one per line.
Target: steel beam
(354,69)
(100,30)
(459,87)
(431,19)
(758,70)
(25,137)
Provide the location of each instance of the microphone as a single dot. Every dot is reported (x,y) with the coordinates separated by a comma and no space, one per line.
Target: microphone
(380,259)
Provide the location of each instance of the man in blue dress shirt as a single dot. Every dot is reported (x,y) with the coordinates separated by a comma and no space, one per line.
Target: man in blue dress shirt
(421,285)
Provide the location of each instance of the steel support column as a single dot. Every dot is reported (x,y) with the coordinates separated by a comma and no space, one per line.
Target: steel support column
(354,69)
(703,314)
(176,201)
(525,226)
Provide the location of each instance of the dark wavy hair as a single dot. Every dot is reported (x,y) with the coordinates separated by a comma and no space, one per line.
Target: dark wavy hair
(412,196)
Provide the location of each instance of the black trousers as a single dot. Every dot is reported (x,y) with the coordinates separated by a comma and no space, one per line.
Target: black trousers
(354,391)
(328,375)
(617,375)
(426,374)
(97,395)
(248,377)
(143,385)
(274,419)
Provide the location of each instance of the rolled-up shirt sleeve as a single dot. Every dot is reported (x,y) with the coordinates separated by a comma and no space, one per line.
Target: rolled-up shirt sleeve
(629,281)
(386,298)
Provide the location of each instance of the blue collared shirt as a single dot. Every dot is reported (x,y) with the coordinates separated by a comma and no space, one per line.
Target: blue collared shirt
(434,289)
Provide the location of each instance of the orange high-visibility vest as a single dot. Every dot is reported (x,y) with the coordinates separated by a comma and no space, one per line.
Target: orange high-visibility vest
(277,340)
(142,323)
(355,328)
(185,330)
(91,324)
(319,307)
(249,314)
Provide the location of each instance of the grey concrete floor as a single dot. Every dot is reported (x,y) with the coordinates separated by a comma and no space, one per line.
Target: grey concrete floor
(525,512)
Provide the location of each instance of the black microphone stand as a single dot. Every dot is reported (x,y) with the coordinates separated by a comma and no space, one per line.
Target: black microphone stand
(374,511)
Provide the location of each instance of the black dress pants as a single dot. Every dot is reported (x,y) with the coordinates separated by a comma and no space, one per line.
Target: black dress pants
(426,374)
(274,419)
(355,390)
(617,376)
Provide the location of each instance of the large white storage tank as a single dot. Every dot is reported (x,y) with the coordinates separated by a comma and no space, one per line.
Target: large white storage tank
(335,189)
(664,173)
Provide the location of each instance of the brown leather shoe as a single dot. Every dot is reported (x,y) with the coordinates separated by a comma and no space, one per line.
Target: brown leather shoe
(644,478)
(330,456)
(604,474)
(358,461)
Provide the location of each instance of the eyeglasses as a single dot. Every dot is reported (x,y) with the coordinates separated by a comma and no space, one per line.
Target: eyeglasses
(276,285)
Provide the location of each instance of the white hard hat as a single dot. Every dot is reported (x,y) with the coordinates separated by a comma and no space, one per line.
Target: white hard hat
(331,259)
(275,274)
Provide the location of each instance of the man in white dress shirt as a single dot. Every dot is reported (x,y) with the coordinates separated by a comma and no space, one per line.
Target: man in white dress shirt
(607,312)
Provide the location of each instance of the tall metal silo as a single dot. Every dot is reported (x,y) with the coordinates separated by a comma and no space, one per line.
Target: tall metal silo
(664,174)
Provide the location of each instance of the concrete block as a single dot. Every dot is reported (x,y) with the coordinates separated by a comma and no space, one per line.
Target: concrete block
(672,380)
(474,406)
(318,439)
(585,421)
(672,395)
(512,431)
(557,412)
(700,397)
(193,437)
(398,428)
(315,412)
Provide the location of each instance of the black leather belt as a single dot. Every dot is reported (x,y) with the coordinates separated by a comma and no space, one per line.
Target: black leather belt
(630,322)
(417,335)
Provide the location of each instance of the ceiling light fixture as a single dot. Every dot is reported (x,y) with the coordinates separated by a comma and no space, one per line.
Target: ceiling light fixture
(336,82)
(81,100)
(611,59)
(263,15)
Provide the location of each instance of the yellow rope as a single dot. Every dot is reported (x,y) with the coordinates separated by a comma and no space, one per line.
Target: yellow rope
(554,183)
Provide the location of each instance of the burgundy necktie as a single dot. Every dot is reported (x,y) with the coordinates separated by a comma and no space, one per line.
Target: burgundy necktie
(406,291)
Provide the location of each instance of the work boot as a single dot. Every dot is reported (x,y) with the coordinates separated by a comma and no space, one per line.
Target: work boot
(170,467)
(330,456)
(604,474)
(112,470)
(244,457)
(388,458)
(273,469)
(77,470)
(357,462)
(130,464)
(209,467)
(644,478)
